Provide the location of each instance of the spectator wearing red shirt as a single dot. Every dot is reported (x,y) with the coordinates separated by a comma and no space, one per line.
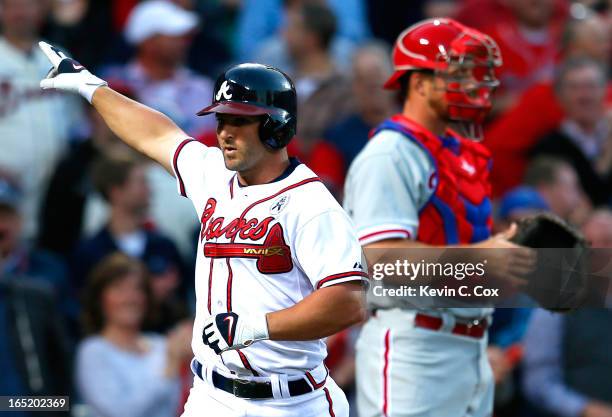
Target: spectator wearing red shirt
(529,44)
(515,132)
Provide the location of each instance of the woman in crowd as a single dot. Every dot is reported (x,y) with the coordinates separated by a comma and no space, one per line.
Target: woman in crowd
(120,370)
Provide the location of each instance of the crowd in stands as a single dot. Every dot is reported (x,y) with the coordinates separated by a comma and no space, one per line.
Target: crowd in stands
(97,248)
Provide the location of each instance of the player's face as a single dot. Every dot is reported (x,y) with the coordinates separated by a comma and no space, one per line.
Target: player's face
(124,302)
(435,88)
(238,138)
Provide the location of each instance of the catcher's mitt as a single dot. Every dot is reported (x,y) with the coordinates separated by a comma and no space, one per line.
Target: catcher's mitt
(559,281)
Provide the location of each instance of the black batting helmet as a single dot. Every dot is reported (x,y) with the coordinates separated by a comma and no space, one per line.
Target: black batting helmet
(255,89)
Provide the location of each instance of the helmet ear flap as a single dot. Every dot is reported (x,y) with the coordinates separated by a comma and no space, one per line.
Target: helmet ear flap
(276,134)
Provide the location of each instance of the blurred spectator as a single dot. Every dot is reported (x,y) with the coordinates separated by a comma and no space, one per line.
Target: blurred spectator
(323,91)
(84,27)
(20,260)
(261,21)
(480,13)
(556,181)
(63,218)
(121,371)
(440,8)
(598,229)
(582,136)
(122,182)
(389,18)
(529,47)
(212,49)
(371,68)
(34,348)
(162,32)
(34,124)
(588,36)
(513,134)
(518,203)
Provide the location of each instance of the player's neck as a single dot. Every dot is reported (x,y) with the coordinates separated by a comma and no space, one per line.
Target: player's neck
(267,171)
(425,116)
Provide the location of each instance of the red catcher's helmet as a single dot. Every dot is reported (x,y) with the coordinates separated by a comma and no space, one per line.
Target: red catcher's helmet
(464,57)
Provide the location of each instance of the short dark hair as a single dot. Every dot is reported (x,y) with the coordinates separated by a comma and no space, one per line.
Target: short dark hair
(320,20)
(111,171)
(574,63)
(108,271)
(543,170)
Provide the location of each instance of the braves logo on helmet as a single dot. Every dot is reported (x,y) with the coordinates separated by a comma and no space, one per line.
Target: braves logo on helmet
(224,92)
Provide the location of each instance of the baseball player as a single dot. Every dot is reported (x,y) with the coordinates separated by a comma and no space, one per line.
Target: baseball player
(278,266)
(418,183)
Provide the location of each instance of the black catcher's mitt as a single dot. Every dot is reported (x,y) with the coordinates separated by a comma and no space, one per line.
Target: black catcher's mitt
(559,281)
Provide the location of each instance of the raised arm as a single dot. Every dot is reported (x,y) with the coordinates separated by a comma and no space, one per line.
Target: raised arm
(146,130)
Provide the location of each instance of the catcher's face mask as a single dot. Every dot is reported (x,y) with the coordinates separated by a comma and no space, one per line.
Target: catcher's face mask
(468,71)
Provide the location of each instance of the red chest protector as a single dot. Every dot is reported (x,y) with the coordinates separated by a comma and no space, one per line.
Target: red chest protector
(459,211)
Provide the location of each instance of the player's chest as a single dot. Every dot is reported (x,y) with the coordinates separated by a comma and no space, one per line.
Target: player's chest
(247,227)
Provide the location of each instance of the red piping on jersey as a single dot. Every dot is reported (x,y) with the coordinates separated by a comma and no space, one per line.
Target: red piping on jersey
(246,363)
(314,383)
(290,187)
(230,276)
(210,284)
(369,235)
(330,402)
(386,374)
(175,165)
(340,276)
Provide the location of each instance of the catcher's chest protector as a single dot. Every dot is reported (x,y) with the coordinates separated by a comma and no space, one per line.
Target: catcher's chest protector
(459,211)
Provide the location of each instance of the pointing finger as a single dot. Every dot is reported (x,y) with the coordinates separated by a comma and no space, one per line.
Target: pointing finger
(47,83)
(53,54)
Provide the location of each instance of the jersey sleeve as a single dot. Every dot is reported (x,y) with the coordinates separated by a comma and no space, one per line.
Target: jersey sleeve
(195,166)
(328,252)
(386,190)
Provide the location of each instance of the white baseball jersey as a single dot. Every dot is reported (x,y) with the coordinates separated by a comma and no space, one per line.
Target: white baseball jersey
(263,248)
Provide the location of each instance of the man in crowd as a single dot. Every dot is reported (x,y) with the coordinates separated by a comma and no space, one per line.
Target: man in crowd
(371,67)
(583,137)
(19,260)
(35,125)
(556,181)
(123,184)
(161,33)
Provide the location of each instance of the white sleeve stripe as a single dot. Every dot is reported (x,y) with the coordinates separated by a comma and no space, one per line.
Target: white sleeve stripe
(177,174)
(384,234)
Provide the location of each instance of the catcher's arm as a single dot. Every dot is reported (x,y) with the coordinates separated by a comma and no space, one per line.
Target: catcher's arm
(146,130)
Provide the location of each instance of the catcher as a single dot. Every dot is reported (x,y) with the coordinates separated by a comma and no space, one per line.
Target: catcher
(418,183)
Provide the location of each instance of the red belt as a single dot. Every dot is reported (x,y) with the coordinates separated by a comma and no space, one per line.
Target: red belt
(474,328)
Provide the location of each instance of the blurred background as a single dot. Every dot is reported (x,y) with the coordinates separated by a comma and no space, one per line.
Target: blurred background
(97,249)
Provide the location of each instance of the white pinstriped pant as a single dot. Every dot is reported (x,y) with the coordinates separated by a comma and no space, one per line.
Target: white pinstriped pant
(403,371)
